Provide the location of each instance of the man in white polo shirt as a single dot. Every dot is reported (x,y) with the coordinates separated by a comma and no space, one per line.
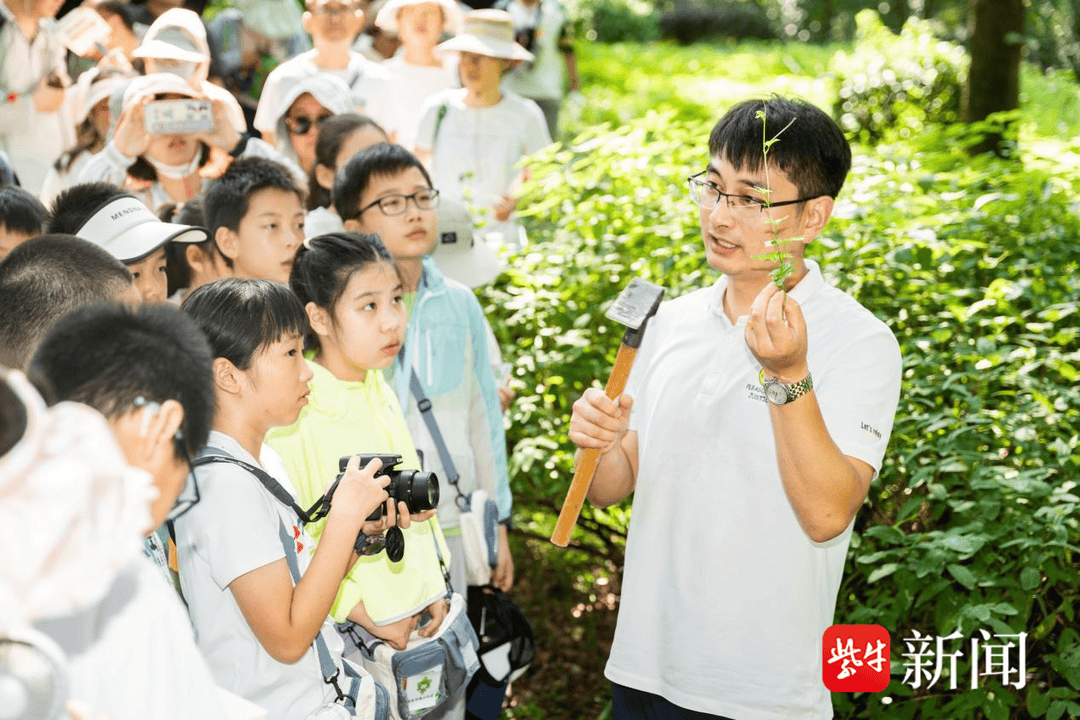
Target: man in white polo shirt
(752,425)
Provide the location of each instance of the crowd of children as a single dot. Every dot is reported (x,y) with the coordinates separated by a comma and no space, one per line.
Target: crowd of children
(228,240)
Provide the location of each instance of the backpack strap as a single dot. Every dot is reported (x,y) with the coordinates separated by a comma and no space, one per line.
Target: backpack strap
(439,117)
(424,405)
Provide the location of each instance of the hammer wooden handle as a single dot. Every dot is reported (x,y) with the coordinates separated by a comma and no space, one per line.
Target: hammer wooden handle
(590,458)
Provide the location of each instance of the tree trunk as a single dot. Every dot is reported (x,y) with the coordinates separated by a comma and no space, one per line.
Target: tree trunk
(993,83)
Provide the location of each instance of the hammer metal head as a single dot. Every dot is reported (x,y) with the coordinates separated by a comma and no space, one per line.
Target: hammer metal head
(637,303)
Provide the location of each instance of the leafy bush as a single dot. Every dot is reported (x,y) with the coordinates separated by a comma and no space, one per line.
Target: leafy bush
(893,86)
(974,521)
(740,21)
(610,21)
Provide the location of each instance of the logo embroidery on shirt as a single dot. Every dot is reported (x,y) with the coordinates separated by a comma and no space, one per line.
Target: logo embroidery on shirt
(296,537)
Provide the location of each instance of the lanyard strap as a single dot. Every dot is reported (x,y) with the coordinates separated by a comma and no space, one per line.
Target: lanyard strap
(428,416)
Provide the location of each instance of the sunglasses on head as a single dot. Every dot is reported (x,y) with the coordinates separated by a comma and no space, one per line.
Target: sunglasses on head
(302,124)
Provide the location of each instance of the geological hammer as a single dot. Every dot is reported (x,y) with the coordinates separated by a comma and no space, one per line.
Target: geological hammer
(637,303)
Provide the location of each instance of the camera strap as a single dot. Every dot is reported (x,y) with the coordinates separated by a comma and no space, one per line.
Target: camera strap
(330,671)
(312,514)
(424,405)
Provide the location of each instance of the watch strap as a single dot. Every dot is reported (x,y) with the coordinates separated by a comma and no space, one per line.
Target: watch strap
(794,390)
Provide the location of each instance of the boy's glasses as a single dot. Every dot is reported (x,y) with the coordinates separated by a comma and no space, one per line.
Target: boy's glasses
(741,207)
(189,496)
(427,199)
(302,124)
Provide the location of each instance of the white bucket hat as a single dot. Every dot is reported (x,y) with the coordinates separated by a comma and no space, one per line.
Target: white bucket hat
(459,253)
(387,19)
(490,33)
(129,231)
(178,34)
(91,88)
(159,84)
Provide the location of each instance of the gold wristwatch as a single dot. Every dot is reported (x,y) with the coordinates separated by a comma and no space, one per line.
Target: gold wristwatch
(780,393)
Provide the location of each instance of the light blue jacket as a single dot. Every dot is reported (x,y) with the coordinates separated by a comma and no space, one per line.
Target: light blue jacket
(446,344)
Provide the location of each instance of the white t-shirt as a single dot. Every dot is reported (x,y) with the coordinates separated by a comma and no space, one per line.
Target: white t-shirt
(477,149)
(131,656)
(724,597)
(371,84)
(414,85)
(543,78)
(233,530)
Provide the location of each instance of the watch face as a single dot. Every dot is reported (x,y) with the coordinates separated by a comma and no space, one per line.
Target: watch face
(776,393)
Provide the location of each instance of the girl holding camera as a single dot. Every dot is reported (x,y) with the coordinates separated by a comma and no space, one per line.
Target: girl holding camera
(257,594)
(352,293)
(170,166)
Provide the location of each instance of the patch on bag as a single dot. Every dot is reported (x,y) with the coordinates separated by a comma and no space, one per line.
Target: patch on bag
(422,690)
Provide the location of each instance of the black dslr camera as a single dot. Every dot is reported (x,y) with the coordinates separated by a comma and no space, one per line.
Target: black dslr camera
(418,490)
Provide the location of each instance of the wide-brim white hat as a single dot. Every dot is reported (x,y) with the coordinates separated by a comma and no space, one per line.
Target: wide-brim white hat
(159,84)
(387,19)
(178,34)
(490,33)
(129,231)
(459,253)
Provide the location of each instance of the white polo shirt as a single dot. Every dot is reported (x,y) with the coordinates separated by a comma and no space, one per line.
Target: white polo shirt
(724,597)
(233,530)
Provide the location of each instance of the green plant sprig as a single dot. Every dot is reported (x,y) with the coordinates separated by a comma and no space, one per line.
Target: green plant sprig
(783,264)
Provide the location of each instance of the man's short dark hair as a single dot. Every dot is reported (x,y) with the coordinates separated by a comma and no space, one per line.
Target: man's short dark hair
(812,150)
(45,278)
(74,206)
(228,199)
(376,161)
(113,358)
(243,317)
(21,212)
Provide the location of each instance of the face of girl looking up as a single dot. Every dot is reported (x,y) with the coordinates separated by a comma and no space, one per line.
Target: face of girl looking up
(365,328)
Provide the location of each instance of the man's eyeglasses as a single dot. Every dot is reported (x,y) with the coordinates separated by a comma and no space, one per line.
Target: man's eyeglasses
(741,207)
(335,10)
(302,124)
(189,496)
(427,199)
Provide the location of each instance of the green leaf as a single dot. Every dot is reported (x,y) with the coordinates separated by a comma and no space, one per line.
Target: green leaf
(962,575)
(1030,578)
(1057,709)
(1037,704)
(883,571)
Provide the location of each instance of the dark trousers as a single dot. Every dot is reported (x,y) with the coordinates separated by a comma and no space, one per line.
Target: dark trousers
(630,704)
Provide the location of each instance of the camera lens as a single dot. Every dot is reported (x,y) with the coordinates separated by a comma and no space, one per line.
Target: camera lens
(423,491)
(418,490)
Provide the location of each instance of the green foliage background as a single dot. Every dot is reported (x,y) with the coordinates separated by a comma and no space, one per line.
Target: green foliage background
(974,521)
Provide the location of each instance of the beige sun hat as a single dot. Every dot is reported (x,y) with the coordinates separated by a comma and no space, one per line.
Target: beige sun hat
(490,33)
(387,18)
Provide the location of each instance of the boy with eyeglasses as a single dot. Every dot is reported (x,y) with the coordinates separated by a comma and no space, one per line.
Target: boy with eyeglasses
(752,425)
(333,25)
(385,190)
